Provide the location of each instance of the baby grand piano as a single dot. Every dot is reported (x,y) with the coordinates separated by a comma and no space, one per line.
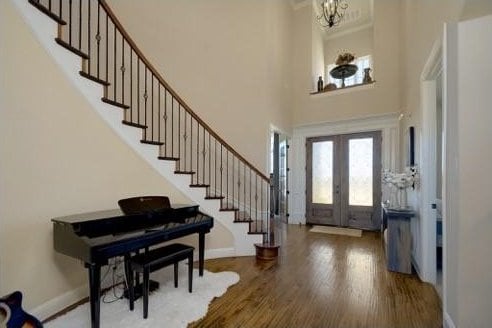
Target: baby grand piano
(96,237)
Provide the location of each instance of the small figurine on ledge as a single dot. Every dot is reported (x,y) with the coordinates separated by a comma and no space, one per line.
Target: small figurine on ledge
(367,77)
(320,84)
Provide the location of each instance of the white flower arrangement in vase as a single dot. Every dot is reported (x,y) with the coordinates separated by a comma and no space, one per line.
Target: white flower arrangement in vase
(400,182)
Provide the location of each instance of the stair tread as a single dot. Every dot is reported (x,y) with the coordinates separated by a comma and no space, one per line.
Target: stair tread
(243,221)
(152,142)
(93,78)
(225,209)
(214,197)
(71,48)
(114,103)
(167,158)
(47,12)
(198,185)
(136,125)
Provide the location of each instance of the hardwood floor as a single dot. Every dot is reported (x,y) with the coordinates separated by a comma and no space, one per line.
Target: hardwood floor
(322,280)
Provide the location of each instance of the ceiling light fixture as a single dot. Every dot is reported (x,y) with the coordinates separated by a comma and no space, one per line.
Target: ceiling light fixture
(332,12)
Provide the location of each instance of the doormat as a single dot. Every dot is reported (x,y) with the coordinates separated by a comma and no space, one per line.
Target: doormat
(337,231)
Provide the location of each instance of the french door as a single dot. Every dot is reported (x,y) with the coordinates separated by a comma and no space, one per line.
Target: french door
(343,180)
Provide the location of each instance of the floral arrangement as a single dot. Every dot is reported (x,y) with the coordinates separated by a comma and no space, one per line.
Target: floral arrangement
(400,181)
(403,180)
(344,58)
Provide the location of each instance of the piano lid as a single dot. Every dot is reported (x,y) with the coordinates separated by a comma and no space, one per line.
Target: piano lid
(99,223)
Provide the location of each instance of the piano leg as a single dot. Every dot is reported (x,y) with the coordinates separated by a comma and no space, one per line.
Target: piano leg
(95,292)
(201,252)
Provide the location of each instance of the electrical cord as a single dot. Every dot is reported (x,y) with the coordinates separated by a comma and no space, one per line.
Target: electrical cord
(119,282)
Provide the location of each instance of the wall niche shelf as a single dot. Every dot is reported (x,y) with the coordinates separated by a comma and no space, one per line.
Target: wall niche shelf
(361,86)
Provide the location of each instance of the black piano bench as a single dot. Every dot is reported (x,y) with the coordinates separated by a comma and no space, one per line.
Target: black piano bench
(156,259)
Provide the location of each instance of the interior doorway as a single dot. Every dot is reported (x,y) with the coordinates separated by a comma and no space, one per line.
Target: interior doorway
(431,224)
(280,173)
(343,180)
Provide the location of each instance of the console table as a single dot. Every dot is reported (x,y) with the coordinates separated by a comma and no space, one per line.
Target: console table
(398,239)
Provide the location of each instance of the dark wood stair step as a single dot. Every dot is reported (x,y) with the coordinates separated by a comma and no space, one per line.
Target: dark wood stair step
(47,12)
(256,233)
(167,158)
(229,209)
(94,78)
(214,197)
(114,103)
(152,142)
(184,172)
(71,48)
(135,125)
(199,185)
(242,221)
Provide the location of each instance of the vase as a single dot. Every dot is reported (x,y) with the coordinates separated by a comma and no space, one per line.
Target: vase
(402,198)
(367,76)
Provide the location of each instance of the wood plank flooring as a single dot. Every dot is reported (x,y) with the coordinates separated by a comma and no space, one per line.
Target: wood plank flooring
(322,280)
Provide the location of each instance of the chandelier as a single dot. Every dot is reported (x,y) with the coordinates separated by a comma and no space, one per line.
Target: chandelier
(332,12)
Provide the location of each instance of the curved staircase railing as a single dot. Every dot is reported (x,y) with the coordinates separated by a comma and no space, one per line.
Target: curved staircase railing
(110,57)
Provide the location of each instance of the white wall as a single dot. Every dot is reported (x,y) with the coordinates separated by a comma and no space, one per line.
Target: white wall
(358,43)
(468,182)
(229,60)
(57,157)
(382,98)
(318,56)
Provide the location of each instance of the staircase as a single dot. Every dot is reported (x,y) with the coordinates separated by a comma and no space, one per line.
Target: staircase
(156,121)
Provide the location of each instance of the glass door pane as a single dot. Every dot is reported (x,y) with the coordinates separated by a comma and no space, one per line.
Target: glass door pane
(361,172)
(322,172)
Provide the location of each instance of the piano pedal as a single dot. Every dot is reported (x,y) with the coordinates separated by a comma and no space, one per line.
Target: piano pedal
(153,285)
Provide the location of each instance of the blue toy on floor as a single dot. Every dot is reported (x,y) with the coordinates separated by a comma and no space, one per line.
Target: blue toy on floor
(13,316)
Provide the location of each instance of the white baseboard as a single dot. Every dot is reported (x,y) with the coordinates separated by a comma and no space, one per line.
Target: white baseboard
(218,253)
(447,321)
(61,302)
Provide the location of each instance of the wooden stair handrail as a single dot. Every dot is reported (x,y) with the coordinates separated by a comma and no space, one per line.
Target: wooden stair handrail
(154,71)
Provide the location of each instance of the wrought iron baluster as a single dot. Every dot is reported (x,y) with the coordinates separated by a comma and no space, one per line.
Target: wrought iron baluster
(98,38)
(185,136)
(191,146)
(221,170)
(204,179)
(123,69)
(159,112)
(179,134)
(115,79)
(172,126)
(165,122)
(138,89)
(70,22)
(89,37)
(107,48)
(80,24)
(152,108)
(131,85)
(145,96)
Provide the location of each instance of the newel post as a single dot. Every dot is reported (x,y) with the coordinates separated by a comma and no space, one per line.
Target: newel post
(268,250)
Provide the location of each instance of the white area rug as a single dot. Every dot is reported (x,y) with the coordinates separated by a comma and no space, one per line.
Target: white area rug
(168,306)
(337,231)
